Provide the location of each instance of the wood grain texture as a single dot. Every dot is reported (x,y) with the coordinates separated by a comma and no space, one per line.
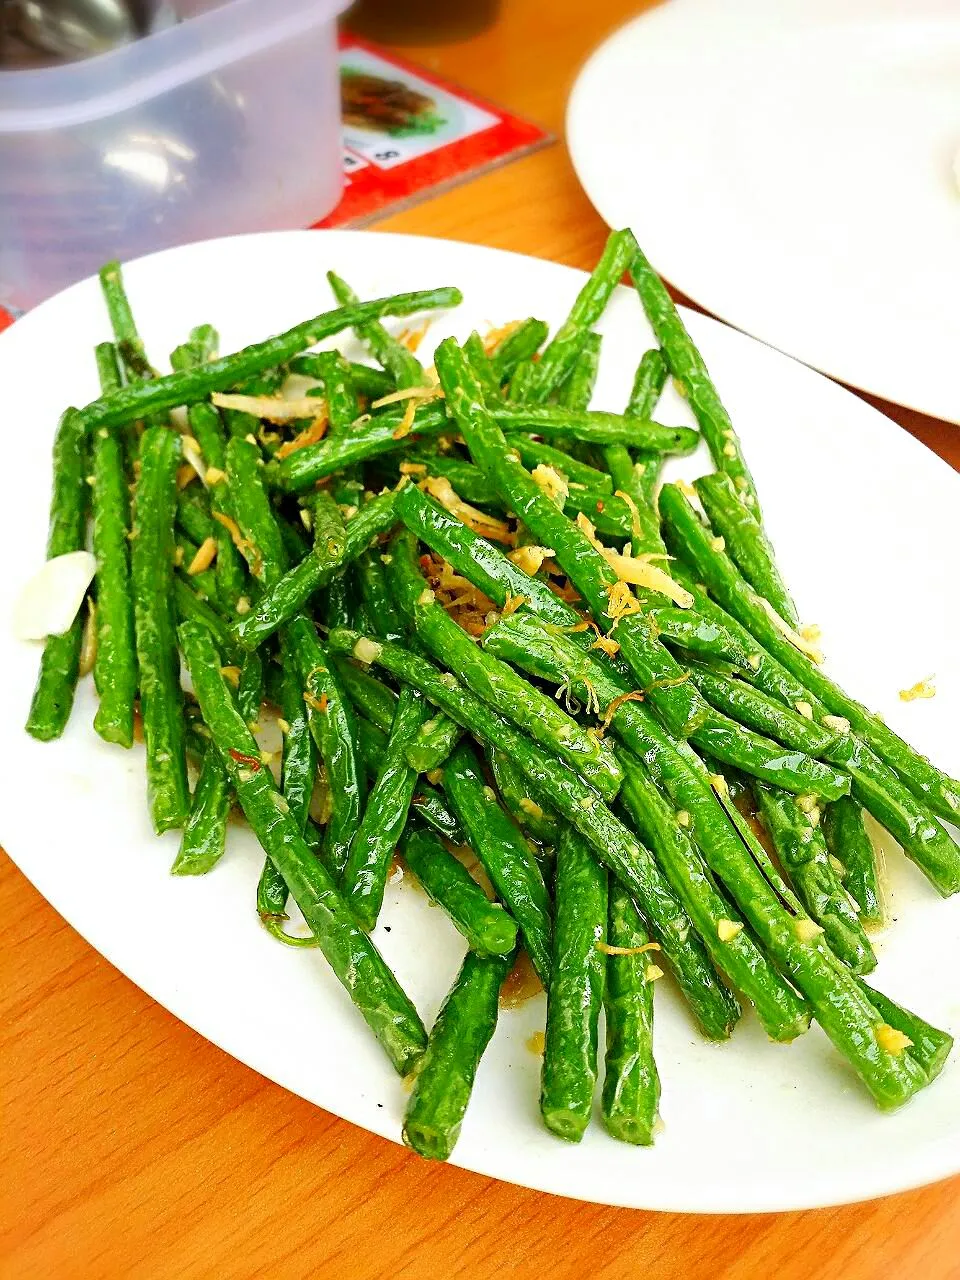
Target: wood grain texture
(133,1148)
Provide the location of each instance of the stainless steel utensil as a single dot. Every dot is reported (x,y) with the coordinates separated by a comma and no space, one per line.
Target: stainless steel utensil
(70,29)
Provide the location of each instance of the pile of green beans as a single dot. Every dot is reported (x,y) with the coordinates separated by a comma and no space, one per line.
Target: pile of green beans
(564,699)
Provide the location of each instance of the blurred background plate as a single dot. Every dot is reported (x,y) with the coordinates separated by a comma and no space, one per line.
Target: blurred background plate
(790,167)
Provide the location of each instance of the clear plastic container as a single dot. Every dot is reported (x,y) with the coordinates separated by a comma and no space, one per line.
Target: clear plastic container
(227,121)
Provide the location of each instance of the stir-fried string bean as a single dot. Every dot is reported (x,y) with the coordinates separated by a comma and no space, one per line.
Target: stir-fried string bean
(557,731)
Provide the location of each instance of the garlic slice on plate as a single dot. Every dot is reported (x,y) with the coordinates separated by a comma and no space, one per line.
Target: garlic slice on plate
(49,602)
(273,408)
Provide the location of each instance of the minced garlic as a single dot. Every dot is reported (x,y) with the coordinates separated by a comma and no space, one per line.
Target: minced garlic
(839,724)
(439,487)
(553,484)
(366,650)
(806,929)
(609,950)
(530,558)
(891,1040)
(812,651)
(727,930)
(204,557)
(312,434)
(922,689)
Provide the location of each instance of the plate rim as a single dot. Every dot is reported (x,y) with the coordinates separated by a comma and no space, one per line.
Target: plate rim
(933,1170)
(580,139)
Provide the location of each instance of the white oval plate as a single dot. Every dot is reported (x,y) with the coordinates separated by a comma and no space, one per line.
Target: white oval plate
(790,167)
(867,523)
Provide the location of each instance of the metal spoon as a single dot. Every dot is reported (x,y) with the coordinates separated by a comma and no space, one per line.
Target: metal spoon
(71,29)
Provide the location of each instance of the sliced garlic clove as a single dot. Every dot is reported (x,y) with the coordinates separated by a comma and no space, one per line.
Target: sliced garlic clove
(51,600)
(273,408)
(192,454)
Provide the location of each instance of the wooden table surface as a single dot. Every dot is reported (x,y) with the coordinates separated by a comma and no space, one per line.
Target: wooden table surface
(133,1148)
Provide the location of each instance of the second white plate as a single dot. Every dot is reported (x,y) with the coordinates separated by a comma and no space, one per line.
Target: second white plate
(789,166)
